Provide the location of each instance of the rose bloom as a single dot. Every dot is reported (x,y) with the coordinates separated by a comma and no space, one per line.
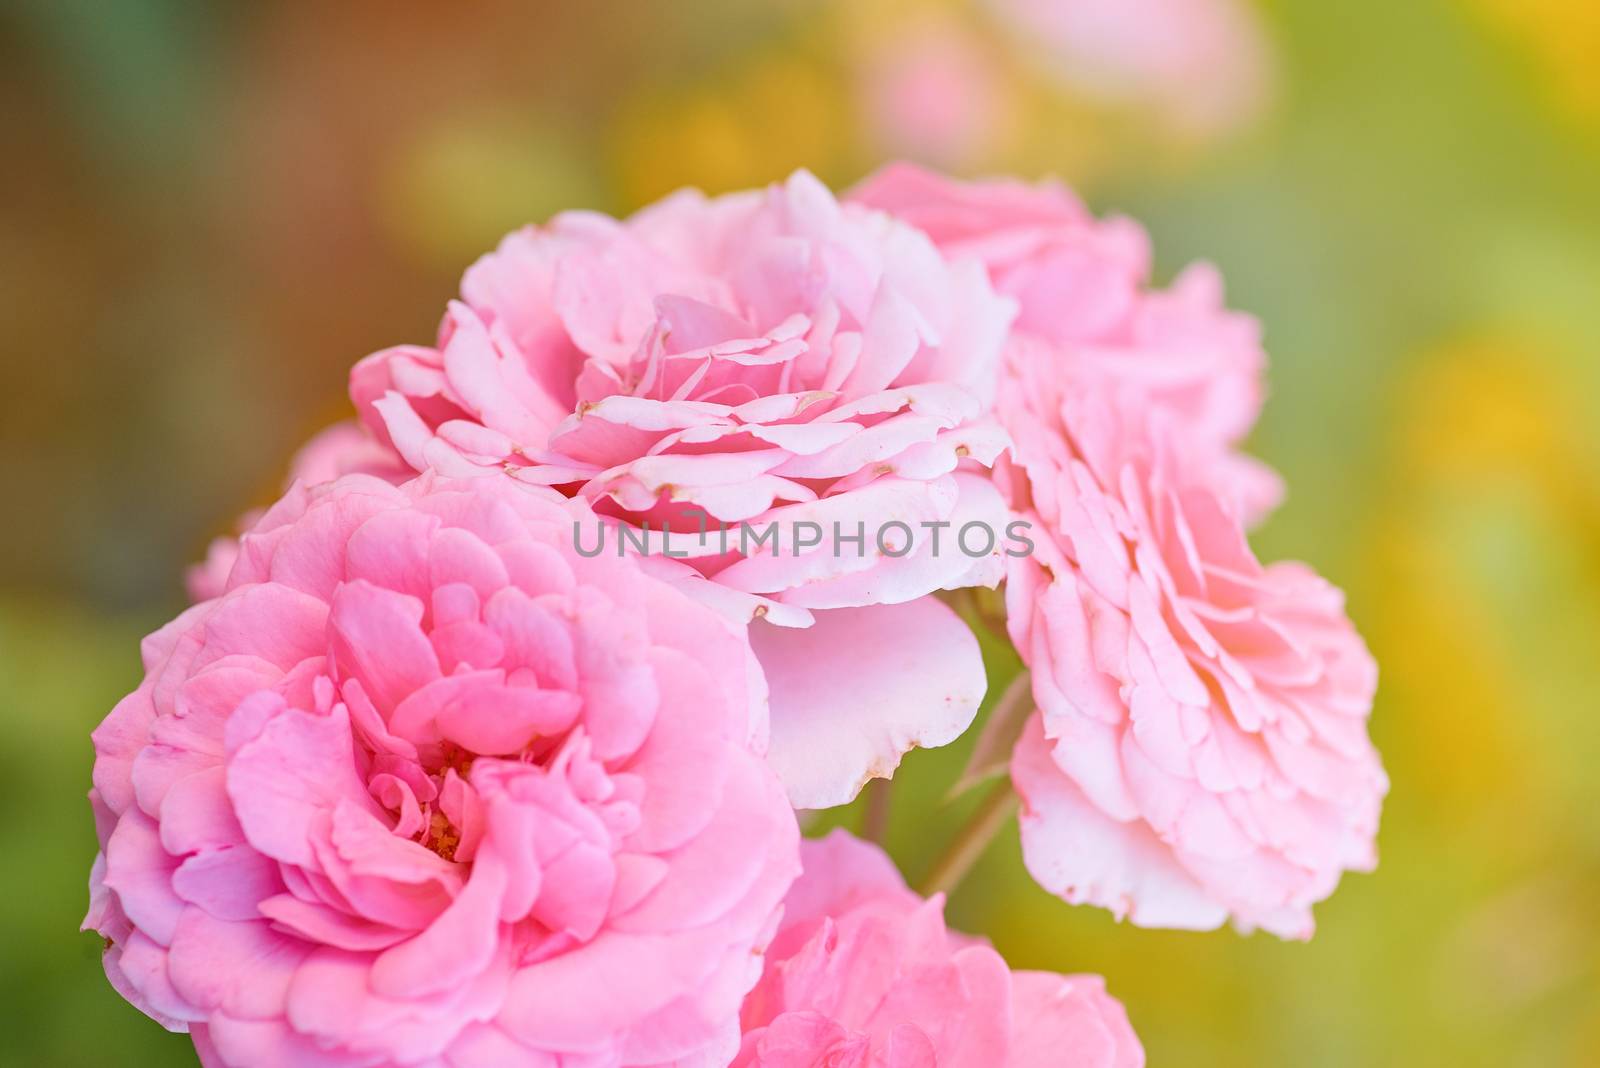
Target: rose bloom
(423,786)
(1201,749)
(863,973)
(1083,286)
(771,358)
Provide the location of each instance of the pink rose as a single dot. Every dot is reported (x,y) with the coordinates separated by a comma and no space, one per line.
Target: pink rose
(424,786)
(1201,746)
(1083,286)
(341,449)
(769,358)
(863,973)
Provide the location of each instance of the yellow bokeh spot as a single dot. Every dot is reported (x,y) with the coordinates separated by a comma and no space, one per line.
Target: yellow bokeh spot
(1563,37)
(768,117)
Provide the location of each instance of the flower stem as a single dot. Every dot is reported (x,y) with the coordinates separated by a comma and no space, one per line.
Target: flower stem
(968,845)
(875,814)
(986,608)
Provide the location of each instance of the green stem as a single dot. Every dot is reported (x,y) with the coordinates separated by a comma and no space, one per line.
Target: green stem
(969,843)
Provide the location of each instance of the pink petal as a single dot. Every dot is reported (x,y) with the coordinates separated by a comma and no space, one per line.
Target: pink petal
(853,693)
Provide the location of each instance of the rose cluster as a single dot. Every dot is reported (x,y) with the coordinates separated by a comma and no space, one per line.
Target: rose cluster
(425,779)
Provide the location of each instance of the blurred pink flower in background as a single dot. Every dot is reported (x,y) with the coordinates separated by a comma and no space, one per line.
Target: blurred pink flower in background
(770,357)
(422,785)
(931,92)
(863,972)
(1202,66)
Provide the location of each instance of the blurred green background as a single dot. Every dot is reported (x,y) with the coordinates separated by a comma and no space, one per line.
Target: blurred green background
(209,211)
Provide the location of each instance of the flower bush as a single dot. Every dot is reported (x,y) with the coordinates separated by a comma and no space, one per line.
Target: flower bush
(420,779)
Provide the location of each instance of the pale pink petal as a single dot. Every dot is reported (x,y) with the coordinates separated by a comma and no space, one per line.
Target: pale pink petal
(860,688)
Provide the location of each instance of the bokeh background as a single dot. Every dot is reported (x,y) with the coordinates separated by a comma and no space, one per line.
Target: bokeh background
(209,211)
